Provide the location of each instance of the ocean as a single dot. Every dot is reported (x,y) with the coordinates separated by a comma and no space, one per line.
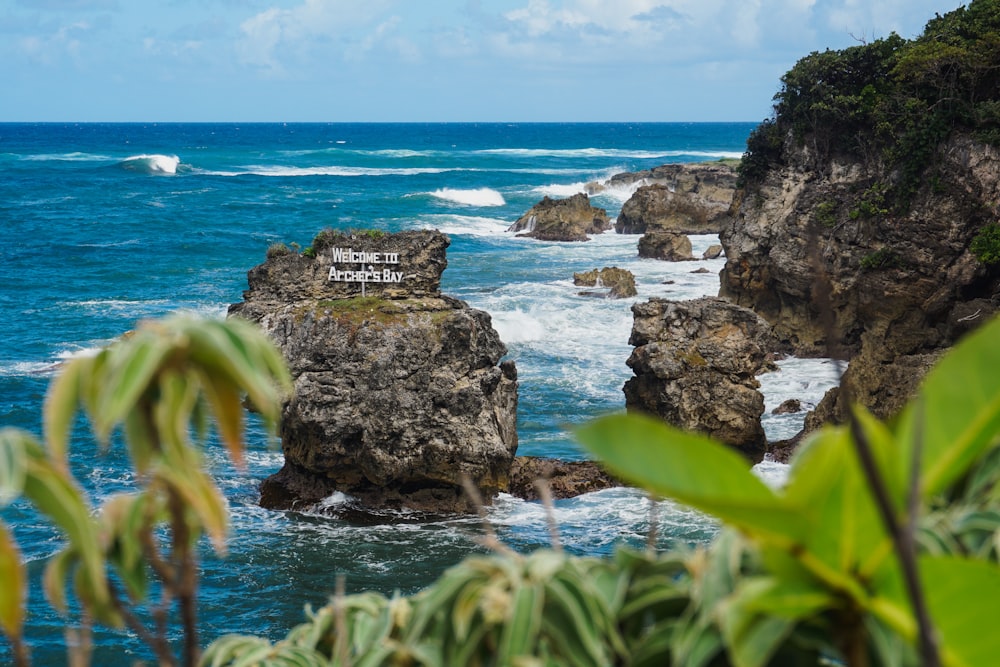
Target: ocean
(108,224)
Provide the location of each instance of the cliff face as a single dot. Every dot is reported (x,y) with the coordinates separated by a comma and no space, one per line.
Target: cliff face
(903,286)
(398,394)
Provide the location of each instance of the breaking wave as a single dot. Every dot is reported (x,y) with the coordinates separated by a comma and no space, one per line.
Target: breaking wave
(609,153)
(477,197)
(151,164)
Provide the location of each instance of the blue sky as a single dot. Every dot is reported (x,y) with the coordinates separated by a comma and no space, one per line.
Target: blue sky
(420,60)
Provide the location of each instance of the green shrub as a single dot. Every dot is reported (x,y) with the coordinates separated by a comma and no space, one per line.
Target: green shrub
(278,250)
(883,258)
(986,245)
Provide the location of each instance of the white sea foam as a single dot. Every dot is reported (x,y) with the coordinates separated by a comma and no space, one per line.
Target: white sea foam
(476,197)
(467,225)
(67,157)
(609,152)
(618,194)
(288,172)
(805,380)
(152,163)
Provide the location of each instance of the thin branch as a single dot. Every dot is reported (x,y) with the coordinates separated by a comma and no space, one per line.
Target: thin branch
(186,582)
(340,622)
(490,540)
(157,642)
(19,650)
(654,524)
(545,494)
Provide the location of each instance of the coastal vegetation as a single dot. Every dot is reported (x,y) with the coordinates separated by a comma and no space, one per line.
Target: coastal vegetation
(889,103)
(881,548)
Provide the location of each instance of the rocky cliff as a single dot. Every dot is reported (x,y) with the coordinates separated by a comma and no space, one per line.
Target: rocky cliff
(398,393)
(903,283)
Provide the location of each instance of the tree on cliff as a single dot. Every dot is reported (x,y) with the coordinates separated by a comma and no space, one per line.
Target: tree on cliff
(890,101)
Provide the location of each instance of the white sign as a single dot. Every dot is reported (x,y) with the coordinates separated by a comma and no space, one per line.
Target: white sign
(366,273)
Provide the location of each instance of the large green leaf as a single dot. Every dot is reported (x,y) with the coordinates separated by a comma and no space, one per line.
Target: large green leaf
(964,600)
(958,414)
(825,482)
(694,470)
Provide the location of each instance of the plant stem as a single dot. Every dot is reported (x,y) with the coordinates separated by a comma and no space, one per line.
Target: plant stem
(186,582)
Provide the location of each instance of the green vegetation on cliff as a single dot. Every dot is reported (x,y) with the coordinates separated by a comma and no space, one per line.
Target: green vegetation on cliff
(889,103)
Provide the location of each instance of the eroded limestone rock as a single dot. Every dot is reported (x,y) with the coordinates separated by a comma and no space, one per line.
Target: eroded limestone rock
(399,393)
(695,364)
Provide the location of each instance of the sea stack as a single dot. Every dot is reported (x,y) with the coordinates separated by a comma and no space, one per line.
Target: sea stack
(399,389)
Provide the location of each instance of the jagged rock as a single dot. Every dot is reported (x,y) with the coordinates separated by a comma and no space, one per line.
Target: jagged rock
(656,208)
(695,364)
(566,479)
(668,246)
(788,407)
(398,394)
(619,282)
(685,198)
(713,251)
(569,219)
(901,285)
(701,270)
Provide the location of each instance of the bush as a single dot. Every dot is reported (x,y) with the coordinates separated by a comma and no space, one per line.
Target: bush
(986,245)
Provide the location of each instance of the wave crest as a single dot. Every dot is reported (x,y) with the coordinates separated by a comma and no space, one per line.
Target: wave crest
(151,163)
(477,197)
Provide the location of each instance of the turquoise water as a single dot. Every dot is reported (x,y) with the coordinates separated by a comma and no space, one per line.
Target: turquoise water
(107,224)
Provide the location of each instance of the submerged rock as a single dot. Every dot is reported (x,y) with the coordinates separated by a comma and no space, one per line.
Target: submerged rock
(398,393)
(695,364)
(620,283)
(565,479)
(569,219)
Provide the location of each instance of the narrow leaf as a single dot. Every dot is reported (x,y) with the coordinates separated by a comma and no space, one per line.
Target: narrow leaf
(12,463)
(13,592)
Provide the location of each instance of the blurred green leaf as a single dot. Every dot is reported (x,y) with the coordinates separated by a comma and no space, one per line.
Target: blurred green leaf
(13,466)
(14,591)
(964,598)
(694,470)
(959,412)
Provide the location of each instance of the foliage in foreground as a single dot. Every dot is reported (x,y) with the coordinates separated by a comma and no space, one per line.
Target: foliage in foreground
(158,387)
(814,572)
(803,575)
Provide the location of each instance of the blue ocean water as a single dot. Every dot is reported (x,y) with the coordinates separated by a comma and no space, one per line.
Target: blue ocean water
(107,224)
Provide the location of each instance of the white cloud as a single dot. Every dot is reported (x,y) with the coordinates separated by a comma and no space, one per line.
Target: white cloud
(48,49)
(276,35)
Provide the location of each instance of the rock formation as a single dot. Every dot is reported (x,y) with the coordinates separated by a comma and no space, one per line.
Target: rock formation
(620,283)
(569,219)
(713,251)
(695,364)
(668,246)
(685,198)
(398,393)
(903,285)
(565,479)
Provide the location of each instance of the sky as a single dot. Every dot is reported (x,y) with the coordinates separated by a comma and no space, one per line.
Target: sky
(421,60)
